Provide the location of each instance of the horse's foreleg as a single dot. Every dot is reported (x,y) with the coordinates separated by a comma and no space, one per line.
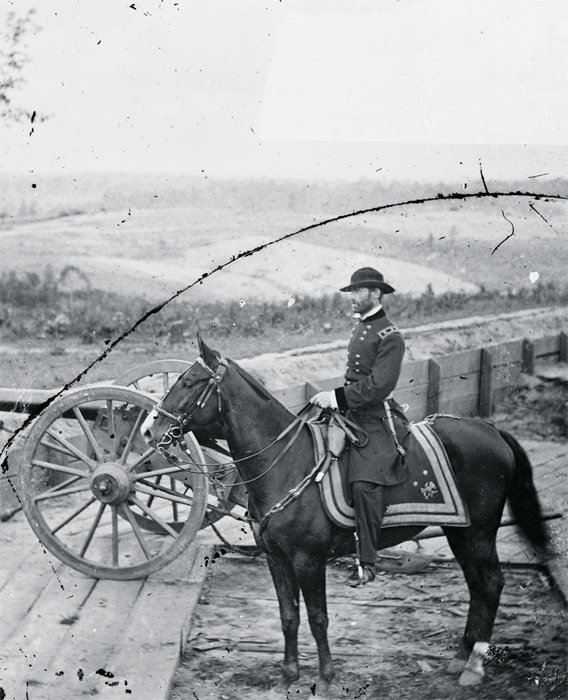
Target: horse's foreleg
(287,590)
(311,575)
(485,582)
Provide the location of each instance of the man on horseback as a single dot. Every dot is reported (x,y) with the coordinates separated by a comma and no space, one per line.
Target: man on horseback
(374,362)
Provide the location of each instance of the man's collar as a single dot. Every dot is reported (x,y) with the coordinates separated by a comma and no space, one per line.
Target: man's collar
(371,312)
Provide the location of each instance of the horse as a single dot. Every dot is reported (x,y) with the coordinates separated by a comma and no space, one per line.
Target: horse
(272,449)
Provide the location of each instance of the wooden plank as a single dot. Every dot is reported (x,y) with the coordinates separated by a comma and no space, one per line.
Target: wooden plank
(29,653)
(105,613)
(458,386)
(416,414)
(485,402)
(505,376)
(330,383)
(549,345)
(433,390)
(414,373)
(310,390)
(507,353)
(23,589)
(291,396)
(527,362)
(146,655)
(460,406)
(412,395)
(460,363)
(563,347)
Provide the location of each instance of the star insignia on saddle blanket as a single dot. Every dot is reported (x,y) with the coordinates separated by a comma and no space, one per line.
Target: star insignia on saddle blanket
(436,502)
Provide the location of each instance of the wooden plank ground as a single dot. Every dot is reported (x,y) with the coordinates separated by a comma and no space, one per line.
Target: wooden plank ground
(64,635)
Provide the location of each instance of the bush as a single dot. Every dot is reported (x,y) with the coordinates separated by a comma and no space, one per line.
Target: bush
(65,306)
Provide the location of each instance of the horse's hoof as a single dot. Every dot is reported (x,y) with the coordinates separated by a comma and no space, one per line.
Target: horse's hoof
(321,689)
(456,665)
(469,677)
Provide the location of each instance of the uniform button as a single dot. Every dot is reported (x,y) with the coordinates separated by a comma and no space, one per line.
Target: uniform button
(362,337)
(368,326)
(357,370)
(357,355)
(357,363)
(364,332)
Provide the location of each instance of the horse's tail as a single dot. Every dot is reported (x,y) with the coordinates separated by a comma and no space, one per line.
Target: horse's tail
(524,500)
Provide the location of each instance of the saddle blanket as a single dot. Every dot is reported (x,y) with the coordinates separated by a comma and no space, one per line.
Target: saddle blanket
(429,495)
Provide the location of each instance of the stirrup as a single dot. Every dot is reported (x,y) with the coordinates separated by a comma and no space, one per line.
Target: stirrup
(363,574)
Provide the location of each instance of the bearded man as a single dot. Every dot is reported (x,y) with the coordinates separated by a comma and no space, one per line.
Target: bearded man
(374,362)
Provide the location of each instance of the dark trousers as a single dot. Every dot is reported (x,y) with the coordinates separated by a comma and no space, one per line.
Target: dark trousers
(369,504)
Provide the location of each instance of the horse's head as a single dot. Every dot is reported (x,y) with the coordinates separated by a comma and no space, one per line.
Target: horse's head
(192,402)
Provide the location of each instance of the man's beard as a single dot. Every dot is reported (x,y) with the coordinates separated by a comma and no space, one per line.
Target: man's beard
(361,307)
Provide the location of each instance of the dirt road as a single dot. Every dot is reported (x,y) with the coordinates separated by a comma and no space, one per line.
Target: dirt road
(391,639)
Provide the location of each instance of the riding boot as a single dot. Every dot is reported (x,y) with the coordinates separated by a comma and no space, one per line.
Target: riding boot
(369,513)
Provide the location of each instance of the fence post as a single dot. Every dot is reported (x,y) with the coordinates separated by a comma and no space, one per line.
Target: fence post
(527,363)
(311,389)
(485,402)
(433,397)
(563,353)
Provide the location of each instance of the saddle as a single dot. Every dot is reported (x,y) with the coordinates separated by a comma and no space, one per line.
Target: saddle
(428,496)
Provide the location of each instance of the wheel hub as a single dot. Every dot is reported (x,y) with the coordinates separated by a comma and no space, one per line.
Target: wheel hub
(111,483)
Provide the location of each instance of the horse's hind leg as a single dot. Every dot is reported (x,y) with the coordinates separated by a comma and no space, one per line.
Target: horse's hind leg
(287,590)
(477,555)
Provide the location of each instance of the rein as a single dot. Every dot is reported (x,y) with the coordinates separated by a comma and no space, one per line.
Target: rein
(174,434)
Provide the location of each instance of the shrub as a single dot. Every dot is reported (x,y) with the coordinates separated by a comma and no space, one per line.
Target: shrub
(46,305)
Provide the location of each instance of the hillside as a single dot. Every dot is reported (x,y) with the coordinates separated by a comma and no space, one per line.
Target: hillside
(154,252)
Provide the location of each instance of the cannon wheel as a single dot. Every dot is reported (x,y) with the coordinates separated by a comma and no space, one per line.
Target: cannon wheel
(157,377)
(145,377)
(87,477)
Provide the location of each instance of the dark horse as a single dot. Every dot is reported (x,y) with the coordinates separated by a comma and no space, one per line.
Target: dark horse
(489,464)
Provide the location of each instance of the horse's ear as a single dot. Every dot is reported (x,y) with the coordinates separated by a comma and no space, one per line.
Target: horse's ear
(210,357)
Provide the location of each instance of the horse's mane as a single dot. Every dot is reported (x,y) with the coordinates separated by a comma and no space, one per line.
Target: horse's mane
(261,390)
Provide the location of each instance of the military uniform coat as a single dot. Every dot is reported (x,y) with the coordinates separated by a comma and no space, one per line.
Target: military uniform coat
(374,363)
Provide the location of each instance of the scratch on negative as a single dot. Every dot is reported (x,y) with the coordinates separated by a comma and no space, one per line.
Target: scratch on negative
(531,205)
(509,236)
(439,198)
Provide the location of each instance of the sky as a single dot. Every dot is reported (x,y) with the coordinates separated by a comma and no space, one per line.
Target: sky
(337,89)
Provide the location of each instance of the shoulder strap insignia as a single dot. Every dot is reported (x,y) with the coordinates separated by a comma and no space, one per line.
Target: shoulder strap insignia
(387,331)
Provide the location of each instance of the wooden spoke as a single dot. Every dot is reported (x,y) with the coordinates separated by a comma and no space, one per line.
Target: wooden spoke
(132,437)
(73,515)
(63,484)
(57,448)
(174,504)
(150,513)
(88,434)
(62,492)
(114,511)
(71,448)
(92,529)
(111,428)
(163,492)
(136,529)
(166,381)
(156,472)
(136,385)
(60,468)
(156,485)
(143,457)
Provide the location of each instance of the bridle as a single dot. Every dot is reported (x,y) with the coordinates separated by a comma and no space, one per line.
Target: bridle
(175,432)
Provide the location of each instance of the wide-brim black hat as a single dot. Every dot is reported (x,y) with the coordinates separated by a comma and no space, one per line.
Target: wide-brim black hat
(370,278)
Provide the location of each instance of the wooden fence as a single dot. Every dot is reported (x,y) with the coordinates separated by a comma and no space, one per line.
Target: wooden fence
(465,383)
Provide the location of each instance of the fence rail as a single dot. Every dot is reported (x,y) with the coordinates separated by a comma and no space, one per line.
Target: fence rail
(467,383)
